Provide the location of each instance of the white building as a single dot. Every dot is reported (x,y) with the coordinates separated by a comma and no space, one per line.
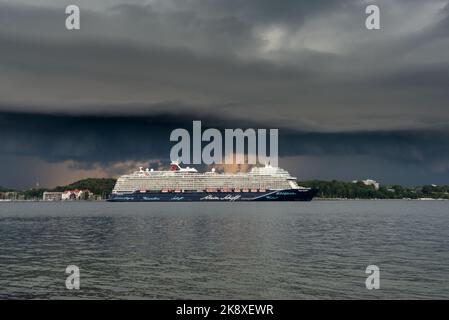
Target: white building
(369,182)
(76,194)
(52,196)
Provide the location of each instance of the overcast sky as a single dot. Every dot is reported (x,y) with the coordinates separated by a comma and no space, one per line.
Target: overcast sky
(351,103)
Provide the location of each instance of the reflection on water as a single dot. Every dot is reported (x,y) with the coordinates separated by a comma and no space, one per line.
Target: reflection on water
(225,250)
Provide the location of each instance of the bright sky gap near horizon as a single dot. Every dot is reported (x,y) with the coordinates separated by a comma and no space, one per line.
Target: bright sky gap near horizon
(350,103)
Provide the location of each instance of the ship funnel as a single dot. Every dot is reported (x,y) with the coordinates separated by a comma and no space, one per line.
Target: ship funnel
(174,166)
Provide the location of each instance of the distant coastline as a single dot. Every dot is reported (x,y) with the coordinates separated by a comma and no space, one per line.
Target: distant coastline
(101,188)
(314,199)
(98,189)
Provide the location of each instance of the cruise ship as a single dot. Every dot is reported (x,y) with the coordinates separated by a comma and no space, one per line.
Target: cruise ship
(265,183)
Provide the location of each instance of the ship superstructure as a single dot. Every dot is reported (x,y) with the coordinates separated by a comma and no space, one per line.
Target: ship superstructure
(187,184)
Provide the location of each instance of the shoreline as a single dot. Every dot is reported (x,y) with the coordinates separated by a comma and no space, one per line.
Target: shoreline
(315,199)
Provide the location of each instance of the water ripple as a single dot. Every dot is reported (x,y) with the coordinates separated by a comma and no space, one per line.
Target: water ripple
(316,250)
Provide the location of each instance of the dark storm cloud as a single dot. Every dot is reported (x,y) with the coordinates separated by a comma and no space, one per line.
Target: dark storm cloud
(112,91)
(265,11)
(313,62)
(93,139)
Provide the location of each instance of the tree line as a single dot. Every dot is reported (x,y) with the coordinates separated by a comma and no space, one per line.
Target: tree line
(327,189)
(358,190)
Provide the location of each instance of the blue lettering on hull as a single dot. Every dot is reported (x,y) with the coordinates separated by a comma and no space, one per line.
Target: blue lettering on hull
(305,194)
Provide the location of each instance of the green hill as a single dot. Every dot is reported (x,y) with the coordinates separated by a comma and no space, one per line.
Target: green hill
(101,186)
(350,190)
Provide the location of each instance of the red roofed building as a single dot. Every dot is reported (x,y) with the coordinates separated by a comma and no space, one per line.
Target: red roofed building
(76,194)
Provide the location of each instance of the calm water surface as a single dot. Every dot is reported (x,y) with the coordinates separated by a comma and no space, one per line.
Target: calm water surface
(316,250)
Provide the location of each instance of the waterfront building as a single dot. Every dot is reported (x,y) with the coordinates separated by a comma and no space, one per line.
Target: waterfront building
(52,196)
(76,194)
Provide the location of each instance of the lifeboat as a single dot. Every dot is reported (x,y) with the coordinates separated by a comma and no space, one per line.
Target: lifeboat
(245,190)
(253,190)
